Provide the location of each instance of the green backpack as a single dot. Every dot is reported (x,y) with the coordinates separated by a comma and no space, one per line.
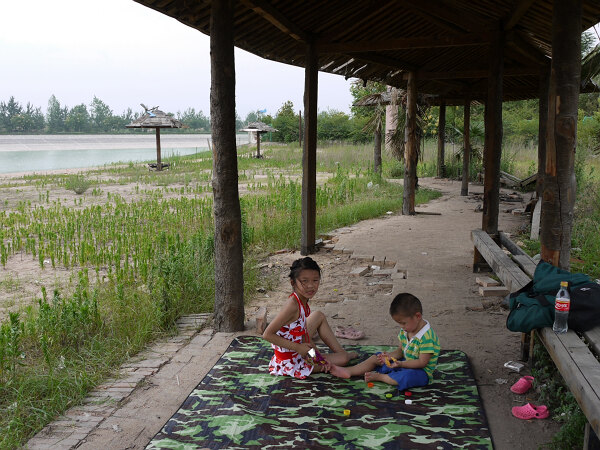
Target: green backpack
(532,306)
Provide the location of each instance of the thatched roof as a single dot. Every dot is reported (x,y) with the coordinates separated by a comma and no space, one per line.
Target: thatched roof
(258,127)
(155,118)
(446,43)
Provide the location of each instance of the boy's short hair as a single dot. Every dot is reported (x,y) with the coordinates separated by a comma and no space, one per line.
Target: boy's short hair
(405,304)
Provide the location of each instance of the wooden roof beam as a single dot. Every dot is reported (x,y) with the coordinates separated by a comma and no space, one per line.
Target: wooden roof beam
(444,15)
(274,17)
(519,43)
(453,75)
(519,11)
(382,60)
(406,43)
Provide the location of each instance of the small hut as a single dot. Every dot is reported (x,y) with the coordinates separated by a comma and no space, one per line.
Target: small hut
(258,128)
(155,118)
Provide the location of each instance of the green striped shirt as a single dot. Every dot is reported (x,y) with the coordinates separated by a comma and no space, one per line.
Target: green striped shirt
(425,341)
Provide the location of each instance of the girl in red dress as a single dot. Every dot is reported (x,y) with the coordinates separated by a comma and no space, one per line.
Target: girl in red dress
(289,333)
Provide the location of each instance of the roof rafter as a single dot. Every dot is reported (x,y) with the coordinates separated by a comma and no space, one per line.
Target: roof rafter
(276,18)
(521,9)
(458,74)
(406,43)
(445,15)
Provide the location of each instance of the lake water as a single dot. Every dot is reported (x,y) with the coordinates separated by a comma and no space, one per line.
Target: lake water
(40,153)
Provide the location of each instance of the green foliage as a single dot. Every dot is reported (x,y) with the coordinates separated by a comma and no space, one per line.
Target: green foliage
(78,184)
(194,120)
(287,124)
(333,125)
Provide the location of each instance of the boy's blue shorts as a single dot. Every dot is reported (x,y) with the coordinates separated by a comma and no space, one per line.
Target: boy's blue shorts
(406,378)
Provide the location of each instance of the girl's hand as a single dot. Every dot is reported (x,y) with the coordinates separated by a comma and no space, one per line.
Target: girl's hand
(303,348)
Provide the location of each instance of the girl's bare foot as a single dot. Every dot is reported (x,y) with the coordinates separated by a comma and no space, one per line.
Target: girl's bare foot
(340,372)
(351,355)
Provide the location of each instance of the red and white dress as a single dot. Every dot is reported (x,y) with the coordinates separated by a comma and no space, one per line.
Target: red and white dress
(288,362)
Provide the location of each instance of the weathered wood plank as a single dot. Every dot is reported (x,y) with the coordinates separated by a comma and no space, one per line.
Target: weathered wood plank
(580,370)
(593,337)
(525,263)
(505,268)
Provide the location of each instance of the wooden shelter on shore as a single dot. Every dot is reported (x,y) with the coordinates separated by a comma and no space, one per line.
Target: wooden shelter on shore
(258,128)
(460,51)
(157,119)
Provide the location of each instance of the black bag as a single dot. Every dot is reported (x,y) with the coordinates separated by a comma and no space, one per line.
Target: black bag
(584,312)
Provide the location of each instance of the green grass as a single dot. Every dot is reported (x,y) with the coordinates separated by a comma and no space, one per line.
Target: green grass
(140,262)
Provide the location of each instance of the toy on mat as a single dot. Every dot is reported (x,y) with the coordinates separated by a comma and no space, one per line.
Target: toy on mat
(316,357)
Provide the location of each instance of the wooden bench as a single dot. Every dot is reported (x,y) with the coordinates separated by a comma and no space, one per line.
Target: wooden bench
(576,361)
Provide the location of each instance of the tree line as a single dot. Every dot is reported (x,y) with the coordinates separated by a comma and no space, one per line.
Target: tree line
(520,120)
(97,117)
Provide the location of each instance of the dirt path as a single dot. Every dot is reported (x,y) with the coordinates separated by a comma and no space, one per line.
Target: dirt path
(435,253)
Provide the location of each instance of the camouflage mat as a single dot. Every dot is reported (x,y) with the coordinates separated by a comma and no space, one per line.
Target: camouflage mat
(239,404)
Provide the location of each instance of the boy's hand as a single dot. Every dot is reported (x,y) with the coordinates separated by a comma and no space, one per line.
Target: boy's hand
(381,357)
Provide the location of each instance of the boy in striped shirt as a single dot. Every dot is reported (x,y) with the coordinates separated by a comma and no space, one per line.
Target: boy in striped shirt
(412,364)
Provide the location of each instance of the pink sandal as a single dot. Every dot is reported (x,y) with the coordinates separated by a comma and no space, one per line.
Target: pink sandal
(530,411)
(523,385)
(349,333)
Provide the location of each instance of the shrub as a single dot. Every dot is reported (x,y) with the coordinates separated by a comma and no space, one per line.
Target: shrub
(77,184)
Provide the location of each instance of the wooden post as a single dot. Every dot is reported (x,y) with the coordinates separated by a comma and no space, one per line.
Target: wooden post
(258,144)
(300,128)
(559,181)
(309,153)
(493,137)
(441,156)
(377,151)
(542,131)
(464,188)
(158,161)
(492,151)
(391,120)
(411,144)
(229,276)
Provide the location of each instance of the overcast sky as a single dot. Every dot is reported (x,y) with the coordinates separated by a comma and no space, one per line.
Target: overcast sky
(126,54)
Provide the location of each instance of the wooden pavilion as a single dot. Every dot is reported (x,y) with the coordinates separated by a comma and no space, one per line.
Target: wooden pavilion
(459,51)
(157,119)
(258,128)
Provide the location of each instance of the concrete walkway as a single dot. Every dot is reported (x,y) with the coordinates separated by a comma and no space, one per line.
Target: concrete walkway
(433,257)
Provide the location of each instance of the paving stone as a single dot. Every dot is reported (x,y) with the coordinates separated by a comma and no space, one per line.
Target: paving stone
(200,340)
(499,291)
(486,281)
(362,258)
(338,249)
(384,272)
(359,271)
(347,251)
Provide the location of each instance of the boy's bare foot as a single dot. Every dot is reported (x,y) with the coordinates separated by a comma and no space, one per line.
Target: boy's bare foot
(340,372)
(373,376)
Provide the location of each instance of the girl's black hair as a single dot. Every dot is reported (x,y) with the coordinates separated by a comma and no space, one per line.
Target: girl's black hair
(302,264)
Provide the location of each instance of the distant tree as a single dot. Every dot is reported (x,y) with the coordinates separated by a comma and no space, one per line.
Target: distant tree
(333,125)
(286,123)
(55,116)
(100,115)
(78,119)
(194,120)
(37,122)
